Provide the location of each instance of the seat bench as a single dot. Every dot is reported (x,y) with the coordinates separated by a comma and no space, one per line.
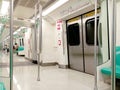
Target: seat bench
(107,70)
(20,48)
(2,86)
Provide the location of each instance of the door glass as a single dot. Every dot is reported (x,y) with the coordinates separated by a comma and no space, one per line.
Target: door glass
(103,34)
(73,34)
(22,41)
(104,63)
(90,31)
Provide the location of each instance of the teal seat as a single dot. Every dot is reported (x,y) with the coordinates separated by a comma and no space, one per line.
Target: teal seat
(2,87)
(117,48)
(20,48)
(107,70)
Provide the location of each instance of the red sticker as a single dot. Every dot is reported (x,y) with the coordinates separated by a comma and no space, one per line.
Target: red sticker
(59,42)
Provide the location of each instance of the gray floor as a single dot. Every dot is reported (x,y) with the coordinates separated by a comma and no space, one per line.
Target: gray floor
(51,77)
(3,65)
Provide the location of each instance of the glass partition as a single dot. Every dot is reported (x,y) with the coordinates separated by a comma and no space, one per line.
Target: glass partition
(108,57)
(103,34)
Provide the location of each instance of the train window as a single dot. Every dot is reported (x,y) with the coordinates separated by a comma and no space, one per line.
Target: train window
(90,32)
(22,41)
(100,34)
(73,34)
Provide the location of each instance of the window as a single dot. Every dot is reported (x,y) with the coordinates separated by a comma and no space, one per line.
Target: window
(73,34)
(100,34)
(90,32)
(22,41)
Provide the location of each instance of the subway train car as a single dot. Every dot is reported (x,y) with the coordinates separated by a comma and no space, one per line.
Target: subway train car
(64,44)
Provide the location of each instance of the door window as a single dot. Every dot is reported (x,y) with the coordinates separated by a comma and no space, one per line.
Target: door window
(22,41)
(90,31)
(73,34)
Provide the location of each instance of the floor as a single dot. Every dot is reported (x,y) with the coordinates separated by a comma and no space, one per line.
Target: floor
(51,77)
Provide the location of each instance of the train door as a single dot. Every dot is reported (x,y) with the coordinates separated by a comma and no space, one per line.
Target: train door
(80,36)
(75,44)
(88,35)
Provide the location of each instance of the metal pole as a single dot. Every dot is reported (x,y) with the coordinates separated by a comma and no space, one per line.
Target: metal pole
(11,44)
(40,40)
(113,56)
(40,29)
(95,44)
(63,37)
(35,36)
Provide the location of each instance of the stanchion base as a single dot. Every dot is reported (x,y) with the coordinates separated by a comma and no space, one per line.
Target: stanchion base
(38,79)
(95,88)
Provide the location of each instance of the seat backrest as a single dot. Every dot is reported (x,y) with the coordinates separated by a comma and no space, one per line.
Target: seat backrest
(20,48)
(117,48)
(118,55)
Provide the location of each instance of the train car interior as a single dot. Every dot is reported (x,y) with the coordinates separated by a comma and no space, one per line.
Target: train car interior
(59,45)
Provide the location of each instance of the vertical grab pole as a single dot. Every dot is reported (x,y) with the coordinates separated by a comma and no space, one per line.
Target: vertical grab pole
(35,34)
(11,44)
(113,56)
(40,40)
(63,37)
(95,44)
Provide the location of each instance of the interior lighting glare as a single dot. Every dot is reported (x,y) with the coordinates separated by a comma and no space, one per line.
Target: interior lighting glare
(15,33)
(4,8)
(54,6)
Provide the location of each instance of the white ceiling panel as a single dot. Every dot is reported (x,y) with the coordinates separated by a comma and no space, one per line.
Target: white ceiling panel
(25,8)
(23,12)
(70,7)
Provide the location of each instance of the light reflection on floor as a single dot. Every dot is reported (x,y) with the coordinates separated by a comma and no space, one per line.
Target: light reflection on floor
(51,77)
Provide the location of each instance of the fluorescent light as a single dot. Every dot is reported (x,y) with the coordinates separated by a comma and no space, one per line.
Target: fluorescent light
(0,27)
(15,32)
(32,21)
(7,38)
(54,6)
(19,30)
(4,8)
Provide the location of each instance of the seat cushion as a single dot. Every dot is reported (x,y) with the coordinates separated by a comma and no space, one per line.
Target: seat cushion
(2,87)
(20,48)
(117,48)
(118,72)
(118,58)
(107,71)
(118,55)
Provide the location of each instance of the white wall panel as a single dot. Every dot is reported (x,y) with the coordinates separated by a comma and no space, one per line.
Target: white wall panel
(118,24)
(49,50)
